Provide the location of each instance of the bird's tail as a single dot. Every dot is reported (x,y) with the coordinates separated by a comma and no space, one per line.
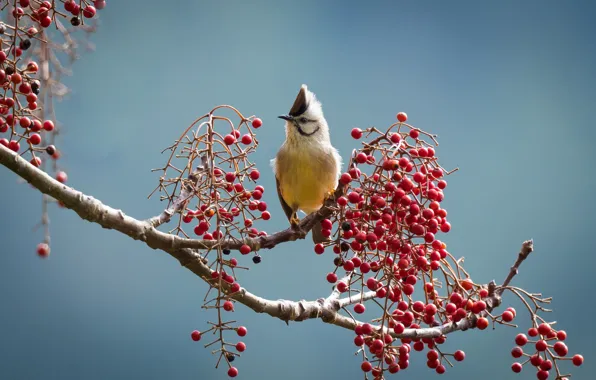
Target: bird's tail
(317,234)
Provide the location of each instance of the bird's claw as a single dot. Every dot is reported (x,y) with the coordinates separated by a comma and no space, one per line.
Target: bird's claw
(295,222)
(295,225)
(328,195)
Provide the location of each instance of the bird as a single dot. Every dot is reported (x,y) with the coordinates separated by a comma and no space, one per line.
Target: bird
(307,167)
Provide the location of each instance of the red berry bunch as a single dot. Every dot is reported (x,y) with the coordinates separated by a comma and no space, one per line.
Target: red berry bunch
(544,348)
(24,124)
(385,239)
(210,183)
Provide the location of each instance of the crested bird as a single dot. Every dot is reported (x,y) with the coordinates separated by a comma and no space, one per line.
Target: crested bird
(307,166)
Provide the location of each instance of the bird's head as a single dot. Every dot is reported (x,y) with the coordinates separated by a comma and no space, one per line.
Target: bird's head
(306,119)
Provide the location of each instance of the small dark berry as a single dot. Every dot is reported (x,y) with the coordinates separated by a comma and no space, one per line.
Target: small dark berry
(344,247)
(2,29)
(50,149)
(346,226)
(9,70)
(338,261)
(35,86)
(256,259)
(226,251)
(25,44)
(75,21)
(230,357)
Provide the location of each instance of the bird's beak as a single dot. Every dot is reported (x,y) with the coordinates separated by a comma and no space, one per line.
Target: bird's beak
(286,117)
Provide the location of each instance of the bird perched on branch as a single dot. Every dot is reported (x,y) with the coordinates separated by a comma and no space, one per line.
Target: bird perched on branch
(307,166)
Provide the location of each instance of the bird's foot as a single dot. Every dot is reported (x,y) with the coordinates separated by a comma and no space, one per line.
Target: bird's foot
(328,195)
(295,225)
(295,222)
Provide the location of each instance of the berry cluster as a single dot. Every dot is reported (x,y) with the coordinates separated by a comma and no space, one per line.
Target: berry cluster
(547,349)
(384,237)
(211,191)
(24,125)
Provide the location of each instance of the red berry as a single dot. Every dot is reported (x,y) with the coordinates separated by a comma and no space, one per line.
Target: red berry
(546,365)
(541,345)
(395,138)
(233,372)
(402,117)
(542,375)
(256,122)
(99,4)
(359,308)
(36,125)
(319,249)
(561,335)
(89,11)
(445,227)
(357,133)
(332,278)
(246,139)
(241,331)
(240,346)
(245,249)
(536,360)
(544,329)
(34,139)
(45,21)
(345,178)
(25,122)
(516,367)
(229,139)
(14,146)
(577,360)
(25,88)
(32,66)
(254,174)
(532,332)
(195,335)
(266,215)
(48,125)
(507,316)
(440,369)
(228,306)
(35,161)
(354,197)
(521,339)
(359,340)
(16,78)
(517,352)
(235,286)
(459,355)
(366,366)
(61,177)
(482,323)
(43,250)
(361,158)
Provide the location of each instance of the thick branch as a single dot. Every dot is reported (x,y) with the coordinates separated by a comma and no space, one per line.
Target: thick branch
(93,210)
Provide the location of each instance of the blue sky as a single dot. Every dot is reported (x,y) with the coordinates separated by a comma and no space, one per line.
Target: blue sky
(508,87)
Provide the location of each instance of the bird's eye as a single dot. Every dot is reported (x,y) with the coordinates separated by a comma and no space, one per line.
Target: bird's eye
(303,120)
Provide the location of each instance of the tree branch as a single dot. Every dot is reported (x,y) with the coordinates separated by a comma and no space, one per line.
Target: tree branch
(327,310)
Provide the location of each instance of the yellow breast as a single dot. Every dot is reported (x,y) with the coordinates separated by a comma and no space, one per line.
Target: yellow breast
(305,177)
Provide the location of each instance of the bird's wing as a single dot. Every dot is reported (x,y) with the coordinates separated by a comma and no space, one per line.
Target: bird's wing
(284,205)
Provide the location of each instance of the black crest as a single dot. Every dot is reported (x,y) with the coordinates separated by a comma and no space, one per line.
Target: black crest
(301,103)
